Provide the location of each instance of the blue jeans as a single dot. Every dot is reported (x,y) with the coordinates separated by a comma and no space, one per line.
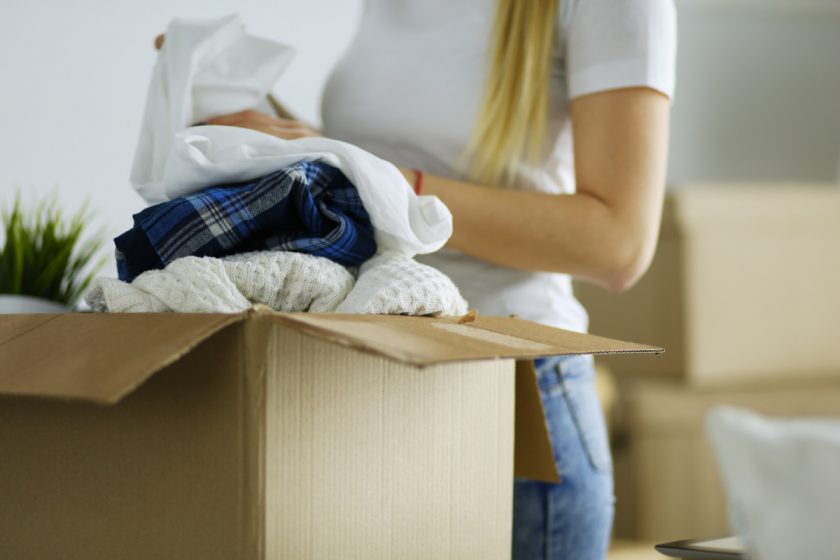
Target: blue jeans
(572,519)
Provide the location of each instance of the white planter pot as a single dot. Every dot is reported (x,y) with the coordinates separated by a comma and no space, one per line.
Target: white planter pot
(28,304)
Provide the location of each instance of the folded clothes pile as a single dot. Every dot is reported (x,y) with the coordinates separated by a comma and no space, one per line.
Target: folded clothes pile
(242,217)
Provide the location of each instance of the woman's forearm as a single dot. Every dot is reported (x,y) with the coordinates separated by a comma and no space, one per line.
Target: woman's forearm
(575,234)
(607,231)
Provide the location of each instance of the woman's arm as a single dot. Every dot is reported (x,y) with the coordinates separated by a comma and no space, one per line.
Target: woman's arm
(606,232)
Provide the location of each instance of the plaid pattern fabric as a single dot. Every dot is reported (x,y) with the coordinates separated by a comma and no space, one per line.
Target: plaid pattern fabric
(310,208)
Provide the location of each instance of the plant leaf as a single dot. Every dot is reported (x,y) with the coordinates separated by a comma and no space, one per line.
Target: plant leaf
(43,253)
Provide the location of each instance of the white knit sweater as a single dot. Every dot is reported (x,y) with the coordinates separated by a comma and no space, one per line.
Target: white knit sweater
(389,283)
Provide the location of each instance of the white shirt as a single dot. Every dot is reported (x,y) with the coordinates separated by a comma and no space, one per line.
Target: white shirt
(410,85)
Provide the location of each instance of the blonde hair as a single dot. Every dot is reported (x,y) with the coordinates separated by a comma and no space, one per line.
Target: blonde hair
(512,120)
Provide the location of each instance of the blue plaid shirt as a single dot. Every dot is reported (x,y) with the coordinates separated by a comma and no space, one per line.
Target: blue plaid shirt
(310,207)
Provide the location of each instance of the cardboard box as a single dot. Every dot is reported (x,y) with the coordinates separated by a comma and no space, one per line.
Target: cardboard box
(743,287)
(266,436)
(667,482)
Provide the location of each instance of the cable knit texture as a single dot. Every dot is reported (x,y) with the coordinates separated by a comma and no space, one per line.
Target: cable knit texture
(388,284)
(393,284)
(284,281)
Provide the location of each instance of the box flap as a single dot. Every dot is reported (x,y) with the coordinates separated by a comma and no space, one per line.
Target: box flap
(95,357)
(533,457)
(430,340)
(102,357)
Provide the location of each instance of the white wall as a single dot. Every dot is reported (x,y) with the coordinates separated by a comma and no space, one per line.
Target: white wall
(758,90)
(74,78)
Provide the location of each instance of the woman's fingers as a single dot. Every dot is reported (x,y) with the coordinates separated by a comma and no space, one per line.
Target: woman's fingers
(295,133)
(159,41)
(250,115)
(288,123)
(282,128)
(280,132)
(237,119)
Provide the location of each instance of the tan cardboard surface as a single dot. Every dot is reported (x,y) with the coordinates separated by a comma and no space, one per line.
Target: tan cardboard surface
(370,458)
(95,357)
(103,357)
(164,474)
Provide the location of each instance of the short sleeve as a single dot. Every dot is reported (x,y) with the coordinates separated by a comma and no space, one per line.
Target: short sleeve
(612,44)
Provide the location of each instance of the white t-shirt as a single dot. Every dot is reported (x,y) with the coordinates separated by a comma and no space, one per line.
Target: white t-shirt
(410,85)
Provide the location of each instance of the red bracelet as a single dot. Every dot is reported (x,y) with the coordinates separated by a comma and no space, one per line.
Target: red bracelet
(418,181)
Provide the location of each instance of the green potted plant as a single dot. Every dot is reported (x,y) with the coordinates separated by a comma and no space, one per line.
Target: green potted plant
(46,259)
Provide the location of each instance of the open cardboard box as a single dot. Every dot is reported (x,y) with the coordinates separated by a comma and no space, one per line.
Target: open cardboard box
(269,435)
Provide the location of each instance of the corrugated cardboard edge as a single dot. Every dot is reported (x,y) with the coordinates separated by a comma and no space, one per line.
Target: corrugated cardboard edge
(302,323)
(254,336)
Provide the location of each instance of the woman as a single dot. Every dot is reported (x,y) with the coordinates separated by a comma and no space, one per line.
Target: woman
(480,103)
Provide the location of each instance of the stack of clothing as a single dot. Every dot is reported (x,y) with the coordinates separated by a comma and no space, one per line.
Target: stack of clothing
(292,240)
(241,217)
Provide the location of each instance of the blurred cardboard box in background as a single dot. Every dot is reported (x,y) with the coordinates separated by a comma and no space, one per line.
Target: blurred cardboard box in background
(744,294)
(667,482)
(745,286)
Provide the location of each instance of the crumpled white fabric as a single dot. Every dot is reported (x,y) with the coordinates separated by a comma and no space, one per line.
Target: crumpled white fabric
(393,284)
(209,68)
(782,479)
(284,281)
(205,68)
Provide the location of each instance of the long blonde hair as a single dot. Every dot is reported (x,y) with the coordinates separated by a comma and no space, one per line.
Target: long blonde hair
(512,120)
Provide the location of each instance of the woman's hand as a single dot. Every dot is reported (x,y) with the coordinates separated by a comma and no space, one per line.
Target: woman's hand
(287,129)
